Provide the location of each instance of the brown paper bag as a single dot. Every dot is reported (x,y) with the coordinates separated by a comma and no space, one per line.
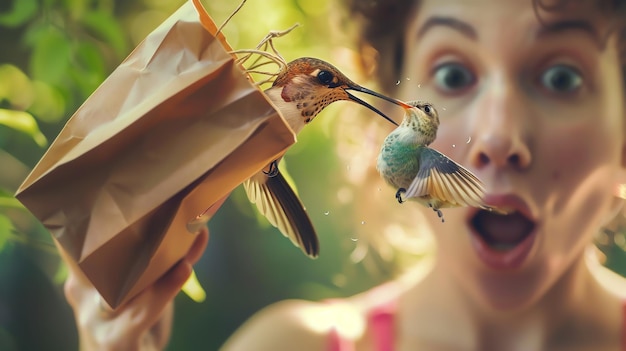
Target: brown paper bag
(175,128)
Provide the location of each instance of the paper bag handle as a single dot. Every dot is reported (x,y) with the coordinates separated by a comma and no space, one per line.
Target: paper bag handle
(209,25)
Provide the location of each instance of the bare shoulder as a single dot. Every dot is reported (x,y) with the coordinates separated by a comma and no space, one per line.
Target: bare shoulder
(612,281)
(306,326)
(286,325)
(609,280)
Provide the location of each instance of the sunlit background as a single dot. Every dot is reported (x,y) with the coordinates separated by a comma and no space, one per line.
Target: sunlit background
(54,54)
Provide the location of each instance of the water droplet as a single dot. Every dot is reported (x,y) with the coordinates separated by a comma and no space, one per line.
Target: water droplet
(354,239)
(379,189)
(398,83)
(362,222)
(468,140)
(326,213)
(407,78)
(443,108)
(419,85)
(453,145)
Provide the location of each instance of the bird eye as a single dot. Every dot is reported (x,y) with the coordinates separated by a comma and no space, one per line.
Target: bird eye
(427,108)
(325,77)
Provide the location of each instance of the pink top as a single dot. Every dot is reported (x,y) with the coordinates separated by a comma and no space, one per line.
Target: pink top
(380,322)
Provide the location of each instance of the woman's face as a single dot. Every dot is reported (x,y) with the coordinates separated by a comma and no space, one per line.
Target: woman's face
(536,112)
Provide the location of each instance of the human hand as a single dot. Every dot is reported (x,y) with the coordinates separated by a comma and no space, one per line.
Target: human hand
(144,322)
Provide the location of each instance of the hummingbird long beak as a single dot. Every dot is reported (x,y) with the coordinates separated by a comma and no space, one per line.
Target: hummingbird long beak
(373,93)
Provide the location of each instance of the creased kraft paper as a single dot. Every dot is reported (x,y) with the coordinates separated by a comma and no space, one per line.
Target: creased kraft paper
(173,129)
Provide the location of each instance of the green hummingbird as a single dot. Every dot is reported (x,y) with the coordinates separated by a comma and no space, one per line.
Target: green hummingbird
(418,172)
(300,92)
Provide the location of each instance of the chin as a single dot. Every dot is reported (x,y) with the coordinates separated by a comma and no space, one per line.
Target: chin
(510,292)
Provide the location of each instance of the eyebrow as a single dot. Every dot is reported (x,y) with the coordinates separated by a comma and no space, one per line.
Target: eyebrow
(460,26)
(548,29)
(544,30)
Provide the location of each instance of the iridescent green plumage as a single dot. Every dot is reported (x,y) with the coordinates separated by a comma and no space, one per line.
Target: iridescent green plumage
(424,174)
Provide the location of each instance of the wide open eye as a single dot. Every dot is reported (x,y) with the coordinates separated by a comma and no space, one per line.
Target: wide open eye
(561,78)
(325,77)
(453,77)
(428,109)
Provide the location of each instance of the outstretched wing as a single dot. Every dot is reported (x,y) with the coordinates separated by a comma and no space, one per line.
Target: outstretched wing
(441,178)
(277,201)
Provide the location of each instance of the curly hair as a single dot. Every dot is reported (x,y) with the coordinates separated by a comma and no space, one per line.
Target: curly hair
(380,24)
(378,30)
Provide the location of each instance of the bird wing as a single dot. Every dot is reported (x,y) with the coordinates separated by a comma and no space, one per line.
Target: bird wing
(277,201)
(441,178)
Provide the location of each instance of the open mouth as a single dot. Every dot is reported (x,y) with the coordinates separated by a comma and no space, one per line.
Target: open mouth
(502,232)
(503,240)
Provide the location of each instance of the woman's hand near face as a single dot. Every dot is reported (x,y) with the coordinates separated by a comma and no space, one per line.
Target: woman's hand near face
(143,323)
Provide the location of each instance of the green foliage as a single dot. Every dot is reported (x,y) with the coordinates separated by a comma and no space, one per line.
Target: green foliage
(103,26)
(7,201)
(21,12)
(60,51)
(24,122)
(65,49)
(6,231)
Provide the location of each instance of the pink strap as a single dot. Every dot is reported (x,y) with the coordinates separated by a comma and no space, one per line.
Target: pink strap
(380,322)
(337,343)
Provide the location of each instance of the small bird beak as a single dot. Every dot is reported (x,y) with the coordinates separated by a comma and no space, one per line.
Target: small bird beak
(373,93)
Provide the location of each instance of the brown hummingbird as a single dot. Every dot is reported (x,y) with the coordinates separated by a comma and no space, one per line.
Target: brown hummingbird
(300,92)
(418,172)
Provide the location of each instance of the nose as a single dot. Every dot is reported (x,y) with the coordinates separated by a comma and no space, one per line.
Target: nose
(500,128)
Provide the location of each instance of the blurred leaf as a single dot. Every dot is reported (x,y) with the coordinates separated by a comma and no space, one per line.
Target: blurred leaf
(21,12)
(49,104)
(90,70)
(76,8)
(7,200)
(285,172)
(6,231)
(61,274)
(49,3)
(193,289)
(106,28)
(34,32)
(15,87)
(23,122)
(90,57)
(50,59)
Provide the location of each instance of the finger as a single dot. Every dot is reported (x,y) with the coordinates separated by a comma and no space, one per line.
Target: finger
(72,289)
(148,307)
(76,285)
(76,289)
(162,331)
(198,247)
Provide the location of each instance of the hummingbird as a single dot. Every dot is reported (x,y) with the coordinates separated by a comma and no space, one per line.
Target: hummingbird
(301,90)
(419,172)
